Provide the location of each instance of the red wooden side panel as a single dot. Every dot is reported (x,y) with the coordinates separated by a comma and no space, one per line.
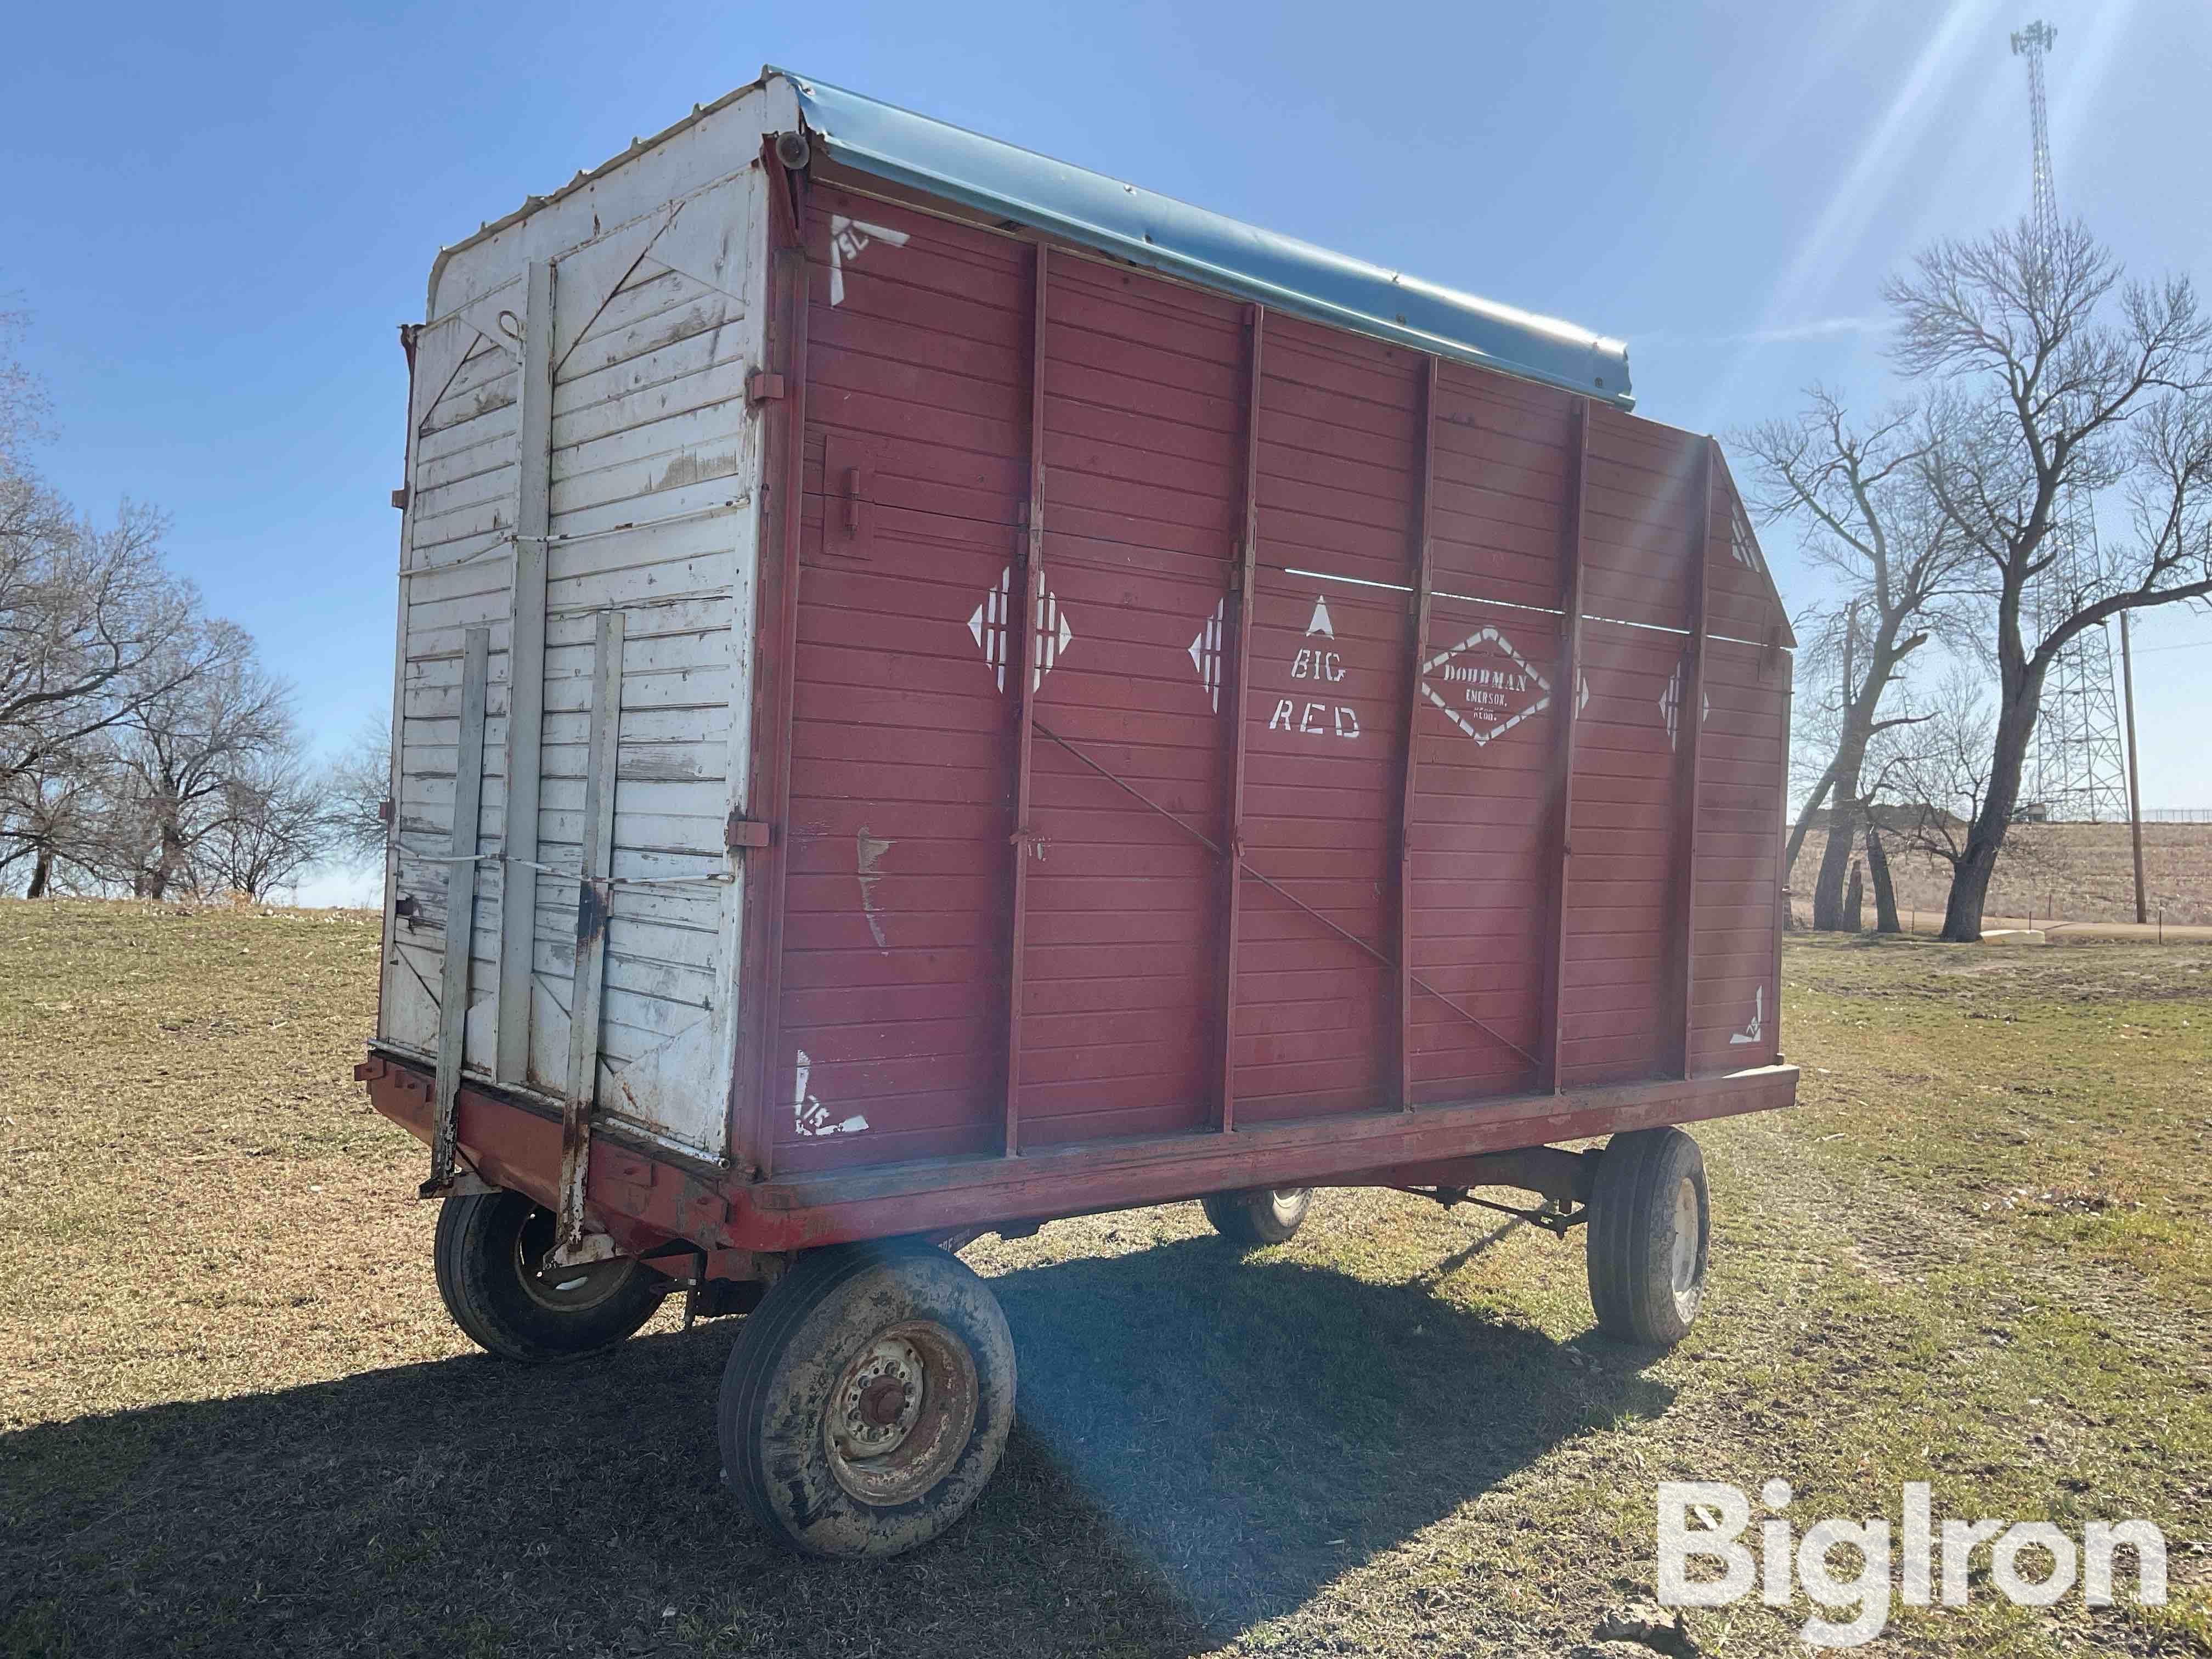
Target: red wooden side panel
(1740,601)
(1144,466)
(1637,506)
(1736,883)
(1615,1005)
(892,1013)
(1499,500)
(1316,1028)
(1316,1016)
(1485,725)
(918,645)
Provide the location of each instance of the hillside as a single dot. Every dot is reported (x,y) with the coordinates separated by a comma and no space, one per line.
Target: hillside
(2076,872)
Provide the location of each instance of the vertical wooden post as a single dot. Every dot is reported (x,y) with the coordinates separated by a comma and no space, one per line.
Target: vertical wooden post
(1567,695)
(594,900)
(757,1069)
(1781,849)
(525,682)
(1690,726)
(1027,666)
(1244,582)
(461,906)
(1424,471)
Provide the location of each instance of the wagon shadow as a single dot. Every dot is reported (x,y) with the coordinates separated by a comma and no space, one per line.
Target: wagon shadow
(1203,1444)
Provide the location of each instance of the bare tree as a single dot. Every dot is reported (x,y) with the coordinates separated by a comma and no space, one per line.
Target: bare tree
(185,747)
(93,628)
(2057,375)
(1874,524)
(52,823)
(273,821)
(357,784)
(23,402)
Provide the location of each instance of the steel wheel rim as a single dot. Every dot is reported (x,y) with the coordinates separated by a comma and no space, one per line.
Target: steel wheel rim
(1687,1251)
(562,1290)
(901,1412)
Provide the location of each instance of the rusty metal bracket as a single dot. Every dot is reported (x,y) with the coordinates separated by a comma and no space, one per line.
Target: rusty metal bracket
(738,830)
(461,911)
(594,895)
(763,387)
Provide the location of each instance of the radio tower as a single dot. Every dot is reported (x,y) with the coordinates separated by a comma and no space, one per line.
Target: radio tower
(2076,769)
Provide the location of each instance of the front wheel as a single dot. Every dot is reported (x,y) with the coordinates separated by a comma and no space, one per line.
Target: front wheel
(1262,1215)
(490,1262)
(1649,1236)
(867,1400)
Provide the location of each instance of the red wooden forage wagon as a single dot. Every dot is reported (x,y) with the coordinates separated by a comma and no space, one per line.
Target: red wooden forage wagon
(937,691)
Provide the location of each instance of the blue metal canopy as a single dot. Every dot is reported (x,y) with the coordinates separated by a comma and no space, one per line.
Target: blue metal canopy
(1149,229)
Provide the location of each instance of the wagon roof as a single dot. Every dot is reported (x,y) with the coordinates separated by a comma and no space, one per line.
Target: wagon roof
(1149,229)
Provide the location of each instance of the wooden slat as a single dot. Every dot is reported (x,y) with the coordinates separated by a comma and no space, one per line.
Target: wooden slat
(1424,551)
(1563,767)
(1690,723)
(1233,823)
(776,625)
(461,906)
(594,896)
(1028,680)
(525,676)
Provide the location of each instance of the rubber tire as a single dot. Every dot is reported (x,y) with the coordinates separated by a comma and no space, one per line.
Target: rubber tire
(1628,1243)
(475,1258)
(1259,1215)
(788,1357)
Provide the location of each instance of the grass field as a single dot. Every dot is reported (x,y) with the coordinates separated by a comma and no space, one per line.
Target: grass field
(234,1420)
(2076,871)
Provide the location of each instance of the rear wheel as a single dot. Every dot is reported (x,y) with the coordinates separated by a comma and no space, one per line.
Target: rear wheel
(867,1400)
(1649,1236)
(1261,1215)
(489,1257)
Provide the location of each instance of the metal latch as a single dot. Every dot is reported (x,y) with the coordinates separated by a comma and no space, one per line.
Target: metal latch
(762,387)
(742,831)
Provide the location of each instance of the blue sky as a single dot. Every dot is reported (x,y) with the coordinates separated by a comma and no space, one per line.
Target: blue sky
(218,213)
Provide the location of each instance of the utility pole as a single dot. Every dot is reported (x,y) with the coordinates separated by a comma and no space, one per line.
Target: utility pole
(2135,776)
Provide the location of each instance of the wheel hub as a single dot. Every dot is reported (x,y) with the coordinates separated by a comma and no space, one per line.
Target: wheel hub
(881,1400)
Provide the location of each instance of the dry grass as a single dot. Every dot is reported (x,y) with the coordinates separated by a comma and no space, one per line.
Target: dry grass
(234,1419)
(2076,871)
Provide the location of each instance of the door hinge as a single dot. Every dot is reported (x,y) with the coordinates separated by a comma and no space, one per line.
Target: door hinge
(762,387)
(383,812)
(742,831)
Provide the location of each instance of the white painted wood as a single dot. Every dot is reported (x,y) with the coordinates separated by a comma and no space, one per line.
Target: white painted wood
(654,277)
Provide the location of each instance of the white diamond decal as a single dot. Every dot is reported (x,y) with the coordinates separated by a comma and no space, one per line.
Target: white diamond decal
(1492,687)
(1050,643)
(989,625)
(1670,702)
(1206,654)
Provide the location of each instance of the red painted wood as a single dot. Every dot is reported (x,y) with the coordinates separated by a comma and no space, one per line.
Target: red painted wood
(775,622)
(1243,586)
(1027,672)
(1422,529)
(1402,932)
(1562,787)
(1689,804)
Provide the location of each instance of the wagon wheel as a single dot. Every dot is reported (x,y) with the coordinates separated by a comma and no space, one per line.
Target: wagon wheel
(867,1400)
(1649,1236)
(1261,1215)
(490,1262)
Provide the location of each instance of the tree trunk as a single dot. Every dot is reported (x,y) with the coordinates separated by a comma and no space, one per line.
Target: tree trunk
(1885,891)
(42,873)
(1855,901)
(1977,863)
(1799,829)
(1835,864)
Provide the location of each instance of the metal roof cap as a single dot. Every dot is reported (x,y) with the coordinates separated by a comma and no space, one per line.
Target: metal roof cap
(1149,229)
